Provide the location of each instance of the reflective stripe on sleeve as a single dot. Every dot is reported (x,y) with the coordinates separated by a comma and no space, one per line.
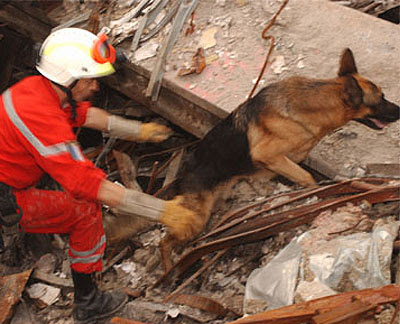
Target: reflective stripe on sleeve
(45,151)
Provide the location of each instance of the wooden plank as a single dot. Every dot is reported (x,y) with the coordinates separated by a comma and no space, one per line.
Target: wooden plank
(30,22)
(11,288)
(52,279)
(348,313)
(304,312)
(184,111)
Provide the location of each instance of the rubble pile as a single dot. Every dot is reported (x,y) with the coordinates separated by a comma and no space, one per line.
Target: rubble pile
(272,253)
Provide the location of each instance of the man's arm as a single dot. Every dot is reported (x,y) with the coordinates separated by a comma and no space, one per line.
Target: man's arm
(182,222)
(97,118)
(131,130)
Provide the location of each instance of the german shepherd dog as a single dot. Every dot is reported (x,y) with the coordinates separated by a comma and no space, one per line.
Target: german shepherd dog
(274,130)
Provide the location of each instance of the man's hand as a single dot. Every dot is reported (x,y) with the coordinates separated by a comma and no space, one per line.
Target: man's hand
(153,132)
(133,130)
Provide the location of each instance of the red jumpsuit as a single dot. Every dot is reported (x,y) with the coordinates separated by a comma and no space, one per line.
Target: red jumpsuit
(36,137)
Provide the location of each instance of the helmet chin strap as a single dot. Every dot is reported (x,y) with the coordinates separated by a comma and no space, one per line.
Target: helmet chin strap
(70,98)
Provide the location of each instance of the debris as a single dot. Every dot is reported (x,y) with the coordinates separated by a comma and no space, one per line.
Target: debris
(150,16)
(72,22)
(127,170)
(135,293)
(307,311)
(373,7)
(119,320)
(187,282)
(275,283)
(344,263)
(173,168)
(252,223)
(11,288)
(207,39)
(220,3)
(46,295)
(278,65)
(128,16)
(204,303)
(172,312)
(157,313)
(117,258)
(129,269)
(164,21)
(51,279)
(353,311)
(46,263)
(384,169)
(185,10)
(309,290)
(197,64)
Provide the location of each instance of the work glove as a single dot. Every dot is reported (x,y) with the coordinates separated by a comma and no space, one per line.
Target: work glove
(181,221)
(133,130)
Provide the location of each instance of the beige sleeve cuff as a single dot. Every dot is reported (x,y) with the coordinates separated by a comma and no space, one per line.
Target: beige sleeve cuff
(123,128)
(136,203)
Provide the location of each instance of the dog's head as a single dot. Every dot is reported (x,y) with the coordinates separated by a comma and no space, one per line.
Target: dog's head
(366,101)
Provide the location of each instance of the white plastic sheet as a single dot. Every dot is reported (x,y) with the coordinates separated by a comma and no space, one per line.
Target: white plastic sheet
(345,263)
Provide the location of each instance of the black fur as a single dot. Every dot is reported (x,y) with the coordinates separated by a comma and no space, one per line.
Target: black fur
(223,153)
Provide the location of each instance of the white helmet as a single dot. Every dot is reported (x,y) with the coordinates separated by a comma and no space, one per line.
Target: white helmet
(70,54)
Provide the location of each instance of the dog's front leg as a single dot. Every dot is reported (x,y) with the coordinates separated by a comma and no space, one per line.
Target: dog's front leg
(284,166)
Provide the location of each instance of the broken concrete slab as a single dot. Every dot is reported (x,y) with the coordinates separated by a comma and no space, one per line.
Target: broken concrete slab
(310,48)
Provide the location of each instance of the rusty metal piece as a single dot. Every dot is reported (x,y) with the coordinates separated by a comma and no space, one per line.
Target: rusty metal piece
(197,65)
(153,176)
(135,293)
(157,171)
(194,276)
(267,225)
(304,312)
(271,46)
(164,166)
(127,170)
(190,29)
(120,320)
(173,168)
(203,303)
(11,288)
(168,150)
(346,187)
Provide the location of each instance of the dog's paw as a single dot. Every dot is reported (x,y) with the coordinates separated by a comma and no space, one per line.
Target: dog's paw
(182,222)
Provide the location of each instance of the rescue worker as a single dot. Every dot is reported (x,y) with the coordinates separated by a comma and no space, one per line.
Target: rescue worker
(37,116)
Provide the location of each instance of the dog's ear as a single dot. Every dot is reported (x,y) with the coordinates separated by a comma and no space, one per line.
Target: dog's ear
(347,63)
(353,94)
